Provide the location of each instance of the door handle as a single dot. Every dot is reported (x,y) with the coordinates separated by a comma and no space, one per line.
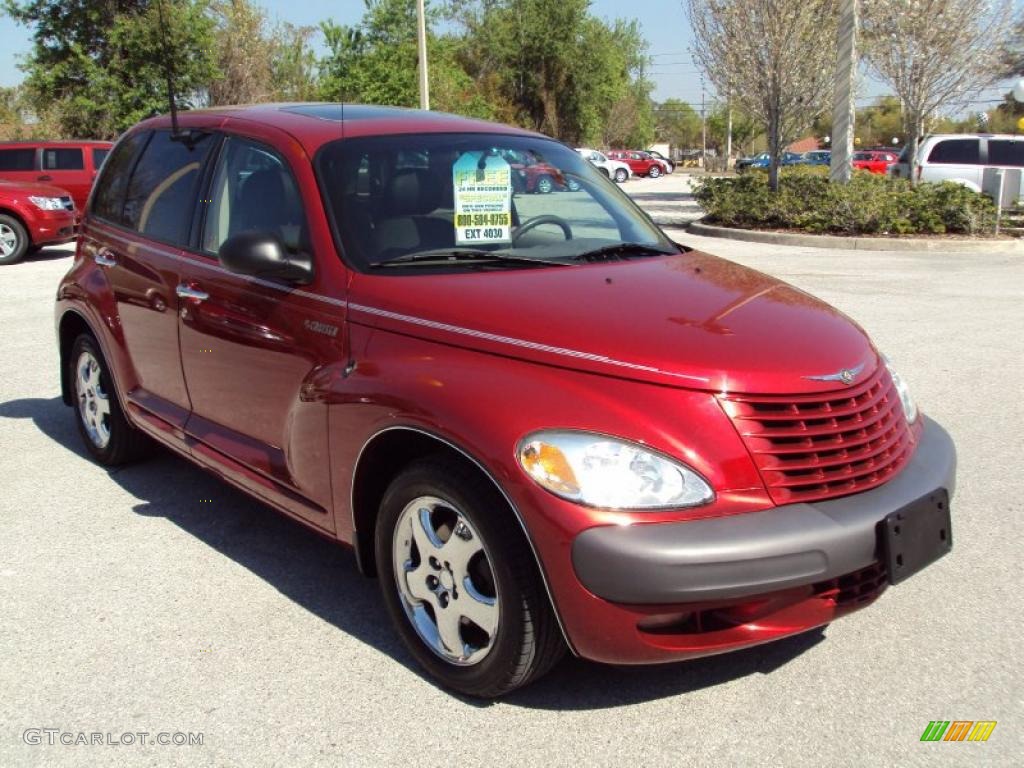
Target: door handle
(105,258)
(45,178)
(186,291)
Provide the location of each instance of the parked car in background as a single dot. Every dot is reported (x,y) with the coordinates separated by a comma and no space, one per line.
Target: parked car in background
(763,160)
(530,174)
(70,165)
(816,157)
(33,215)
(640,163)
(874,161)
(753,161)
(613,169)
(669,165)
(961,158)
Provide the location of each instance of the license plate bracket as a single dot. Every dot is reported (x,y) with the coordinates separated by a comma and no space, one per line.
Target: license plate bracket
(916,535)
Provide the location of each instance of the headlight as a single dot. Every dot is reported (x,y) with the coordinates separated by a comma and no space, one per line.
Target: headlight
(605,472)
(909,406)
(47,203)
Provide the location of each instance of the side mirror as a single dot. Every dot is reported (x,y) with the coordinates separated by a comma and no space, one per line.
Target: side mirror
(261,254)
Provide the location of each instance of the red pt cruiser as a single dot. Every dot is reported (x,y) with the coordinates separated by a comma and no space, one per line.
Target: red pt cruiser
(541,423)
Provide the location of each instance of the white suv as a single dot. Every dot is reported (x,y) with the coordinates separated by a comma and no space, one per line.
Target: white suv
(961,158)
(613,169)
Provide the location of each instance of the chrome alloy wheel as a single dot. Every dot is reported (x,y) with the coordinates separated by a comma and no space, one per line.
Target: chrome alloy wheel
(8,240)
(445,582)
(93,402)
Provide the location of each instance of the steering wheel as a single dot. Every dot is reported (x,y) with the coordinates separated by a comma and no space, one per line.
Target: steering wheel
(536,221)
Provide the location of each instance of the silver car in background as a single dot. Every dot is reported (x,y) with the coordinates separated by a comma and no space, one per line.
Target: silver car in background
(613,169)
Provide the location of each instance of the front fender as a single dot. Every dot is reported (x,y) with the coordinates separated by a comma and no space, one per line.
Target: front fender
(483,404)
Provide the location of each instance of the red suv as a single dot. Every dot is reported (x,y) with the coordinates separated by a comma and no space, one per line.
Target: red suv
(70,165)
(32,216)
(641,163)
(540,422)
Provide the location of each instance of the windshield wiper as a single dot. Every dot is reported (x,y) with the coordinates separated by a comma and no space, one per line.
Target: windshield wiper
(621,251)
(465,255)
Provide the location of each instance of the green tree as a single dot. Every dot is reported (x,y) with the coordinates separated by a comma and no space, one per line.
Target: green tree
(744,130)
(293,69)
(257,62)
(376,62)
(19,121)
(550,66)
(100,67)
(678,124)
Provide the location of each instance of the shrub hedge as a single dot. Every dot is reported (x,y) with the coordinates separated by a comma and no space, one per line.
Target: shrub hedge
(869,205)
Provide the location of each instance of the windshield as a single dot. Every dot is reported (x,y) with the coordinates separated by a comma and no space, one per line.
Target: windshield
(415,199)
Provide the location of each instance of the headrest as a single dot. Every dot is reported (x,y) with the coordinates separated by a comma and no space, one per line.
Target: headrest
(262,201)
(411,192)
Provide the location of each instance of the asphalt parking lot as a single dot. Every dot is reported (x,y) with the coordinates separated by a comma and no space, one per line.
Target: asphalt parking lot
(157,599)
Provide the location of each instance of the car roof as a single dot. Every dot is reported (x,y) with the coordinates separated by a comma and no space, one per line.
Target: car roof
(55,143)
(316,123)
(1014,136)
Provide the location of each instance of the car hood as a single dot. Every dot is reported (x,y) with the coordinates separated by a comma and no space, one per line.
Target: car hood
(693,321)
(24,188)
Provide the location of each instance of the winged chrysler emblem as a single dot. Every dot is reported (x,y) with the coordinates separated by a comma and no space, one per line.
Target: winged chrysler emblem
(845,375)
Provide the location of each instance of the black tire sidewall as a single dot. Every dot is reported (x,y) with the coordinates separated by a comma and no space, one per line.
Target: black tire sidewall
(541,182)
(23,240)
(655,172)
(490,673)
(621,176)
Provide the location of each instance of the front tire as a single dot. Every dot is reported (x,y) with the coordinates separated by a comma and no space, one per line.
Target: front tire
(14,240)
(655,172)
(107,435)
(545,184)
(460,583)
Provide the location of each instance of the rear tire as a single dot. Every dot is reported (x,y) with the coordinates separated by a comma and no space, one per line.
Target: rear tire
(621,175)
(449,555)
(107,435)
(14,240)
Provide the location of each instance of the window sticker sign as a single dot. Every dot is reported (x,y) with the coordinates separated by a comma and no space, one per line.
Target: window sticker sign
(483,199)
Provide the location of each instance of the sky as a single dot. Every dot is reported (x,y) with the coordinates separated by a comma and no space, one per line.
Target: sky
(663,23)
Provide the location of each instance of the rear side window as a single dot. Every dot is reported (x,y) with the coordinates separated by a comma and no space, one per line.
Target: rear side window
(956,152)
(98,156)
(1006,152)
(108,199)
(63,159)
(162,191)
(17,159)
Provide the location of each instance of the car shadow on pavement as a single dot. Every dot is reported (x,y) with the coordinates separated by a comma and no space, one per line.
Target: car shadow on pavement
(51,253)
(321,576)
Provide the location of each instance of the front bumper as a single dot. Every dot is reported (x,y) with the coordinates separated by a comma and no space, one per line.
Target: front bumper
(52,227)
(756,553)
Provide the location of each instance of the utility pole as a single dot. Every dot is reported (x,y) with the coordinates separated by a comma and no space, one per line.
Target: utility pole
(841,163)
(421,34)
(703,128)
(728,133)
